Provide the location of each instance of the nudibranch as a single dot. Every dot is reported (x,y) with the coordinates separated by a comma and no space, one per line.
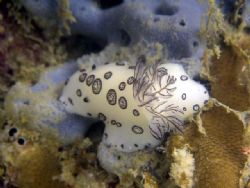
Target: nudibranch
(138,104)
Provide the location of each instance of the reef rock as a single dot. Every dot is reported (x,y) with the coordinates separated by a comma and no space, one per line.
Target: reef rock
(38,107)
(175,24)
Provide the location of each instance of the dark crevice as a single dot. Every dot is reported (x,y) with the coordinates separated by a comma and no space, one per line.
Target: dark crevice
(166,10)
(77,45)
(182,23)
(106,4)
(202,81)
(125,38)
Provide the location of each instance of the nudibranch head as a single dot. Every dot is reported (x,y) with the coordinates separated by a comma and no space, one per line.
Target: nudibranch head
(138,104)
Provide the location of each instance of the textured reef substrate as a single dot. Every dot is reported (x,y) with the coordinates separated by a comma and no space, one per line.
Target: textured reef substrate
(43,146)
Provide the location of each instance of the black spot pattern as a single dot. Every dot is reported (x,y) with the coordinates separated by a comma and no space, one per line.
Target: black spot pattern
(108,75)
(82,77)
(78,92)
(97,86)
(136,112)
(130,80)
(196,107)
(206,101)
(93,67)
(137,130)
(122,146)
(113,122)
(89,114)
(85,99)
(111,97)
(120,63)
(184,77)
(102,117)
(90,79)
(70,101)
(122,86)
(123,102)
(184,96)
(118,124)
(136,145)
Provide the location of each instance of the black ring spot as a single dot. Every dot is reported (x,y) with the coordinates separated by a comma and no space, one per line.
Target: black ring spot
(82,77)
(206,101)
(97,86)
(111,97)
(184,109)
(108,75)
(118,124)
(196,107)
(122,86)
(85,99)
(78,92)
(184,77)
(90,79)
(184,96)
(123,102)
(102,117)
(113,122)
(136,112)
(137,130)
(130,80)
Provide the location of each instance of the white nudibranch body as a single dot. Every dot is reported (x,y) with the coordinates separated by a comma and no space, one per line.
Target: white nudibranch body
(138,104)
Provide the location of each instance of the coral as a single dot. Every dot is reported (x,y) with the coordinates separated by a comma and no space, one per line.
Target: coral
(43,146)
(37,105)
(182,168)
(24,53)
(80,168)
(246,14)
(29,160)
(218,151)
(228,83)
(175,24)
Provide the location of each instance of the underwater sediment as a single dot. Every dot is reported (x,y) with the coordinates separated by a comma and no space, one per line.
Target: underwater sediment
(50,141)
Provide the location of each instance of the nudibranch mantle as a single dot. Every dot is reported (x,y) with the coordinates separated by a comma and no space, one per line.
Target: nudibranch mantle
(138,104)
